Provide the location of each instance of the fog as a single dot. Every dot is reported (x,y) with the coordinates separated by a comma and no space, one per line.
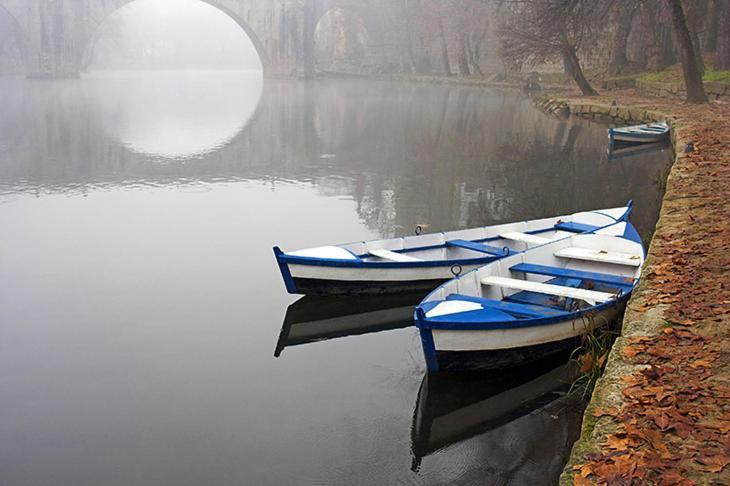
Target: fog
(171,34)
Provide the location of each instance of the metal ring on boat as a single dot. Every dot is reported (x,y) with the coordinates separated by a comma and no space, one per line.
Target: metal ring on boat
(456,269)
(506,250)
(419,230)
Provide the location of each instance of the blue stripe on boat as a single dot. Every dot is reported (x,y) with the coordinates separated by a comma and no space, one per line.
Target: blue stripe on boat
(568,273)
(511,307)
(479,247)
(576,227)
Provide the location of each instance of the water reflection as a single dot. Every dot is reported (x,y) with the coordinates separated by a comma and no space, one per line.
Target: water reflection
(520,418)
(311,319)
(158,287)
(173,114)
(407,154)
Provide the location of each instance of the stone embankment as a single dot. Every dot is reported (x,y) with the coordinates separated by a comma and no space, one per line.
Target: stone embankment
(660,414)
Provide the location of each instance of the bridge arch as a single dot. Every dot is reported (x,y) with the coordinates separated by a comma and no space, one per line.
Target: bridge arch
(226,7)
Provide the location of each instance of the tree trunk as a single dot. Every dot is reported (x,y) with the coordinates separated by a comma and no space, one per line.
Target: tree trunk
(722,52)
(690,66)
(619,42)
(463,56)
(444,50)
(573,69)
(710,38)
(693,13)
(473,50)
(654,61)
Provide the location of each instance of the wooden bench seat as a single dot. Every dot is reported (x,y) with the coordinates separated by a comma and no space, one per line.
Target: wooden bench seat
(590,296)
(576,227)
(570,273)
(479,247)
(393,256)
(601,256)
(525,238)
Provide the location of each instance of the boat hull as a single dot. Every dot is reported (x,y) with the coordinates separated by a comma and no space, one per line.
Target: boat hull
(344,278)
(639,138)
(322,287)
(490,349)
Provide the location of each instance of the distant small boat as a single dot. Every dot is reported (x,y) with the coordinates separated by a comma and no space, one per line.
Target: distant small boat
(653,132)
(530,305)
(422,262)
(312,319)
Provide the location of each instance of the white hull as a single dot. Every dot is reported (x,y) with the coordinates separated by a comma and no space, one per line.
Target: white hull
(490,340)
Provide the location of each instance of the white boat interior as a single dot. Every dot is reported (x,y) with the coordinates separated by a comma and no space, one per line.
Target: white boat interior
(549,281)
(468,243)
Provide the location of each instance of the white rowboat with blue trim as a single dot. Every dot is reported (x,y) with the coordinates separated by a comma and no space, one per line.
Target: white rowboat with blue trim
(650,133)
(533,304)
(422,262)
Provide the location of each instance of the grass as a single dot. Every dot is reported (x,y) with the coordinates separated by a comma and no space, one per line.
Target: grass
(673,74)
(591,356)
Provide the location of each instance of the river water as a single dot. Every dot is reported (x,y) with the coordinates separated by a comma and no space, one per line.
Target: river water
(146,336)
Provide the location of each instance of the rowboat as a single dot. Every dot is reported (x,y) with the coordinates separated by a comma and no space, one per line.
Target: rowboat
(530,305)
(423,261)
(313,319)
(454,407)
(653,132)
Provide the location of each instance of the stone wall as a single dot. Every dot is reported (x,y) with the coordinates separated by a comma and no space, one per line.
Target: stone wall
(714,90)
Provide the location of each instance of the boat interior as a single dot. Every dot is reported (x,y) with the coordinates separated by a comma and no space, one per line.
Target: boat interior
(551,281)
(472,243)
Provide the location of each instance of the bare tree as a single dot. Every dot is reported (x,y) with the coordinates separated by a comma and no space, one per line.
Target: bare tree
(540,30)
(623,13)
(690,65)
(722,51)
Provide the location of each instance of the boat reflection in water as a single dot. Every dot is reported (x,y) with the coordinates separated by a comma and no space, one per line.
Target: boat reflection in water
(519,415)
(312,319)
(620,150)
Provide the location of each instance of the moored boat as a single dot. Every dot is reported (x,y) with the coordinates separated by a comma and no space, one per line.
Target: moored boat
(530,305)
(423,261)
(649,133)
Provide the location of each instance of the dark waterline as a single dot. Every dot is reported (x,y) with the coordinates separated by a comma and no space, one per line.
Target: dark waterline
(142,307)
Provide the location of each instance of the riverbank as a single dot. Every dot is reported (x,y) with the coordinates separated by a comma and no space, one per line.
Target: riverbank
(659,414)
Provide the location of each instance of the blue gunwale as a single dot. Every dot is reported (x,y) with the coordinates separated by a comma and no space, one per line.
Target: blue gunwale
(425,324)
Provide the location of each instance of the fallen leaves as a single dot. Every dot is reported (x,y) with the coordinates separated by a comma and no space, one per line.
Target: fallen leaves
(674,419)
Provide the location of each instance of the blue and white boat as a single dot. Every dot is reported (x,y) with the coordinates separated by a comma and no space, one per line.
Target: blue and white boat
(530,305)
(422,262)
(653,132)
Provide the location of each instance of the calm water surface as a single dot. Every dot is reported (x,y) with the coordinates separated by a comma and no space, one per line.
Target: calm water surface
(142,308)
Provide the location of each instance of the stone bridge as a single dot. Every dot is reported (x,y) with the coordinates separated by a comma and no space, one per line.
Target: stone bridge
(55,36)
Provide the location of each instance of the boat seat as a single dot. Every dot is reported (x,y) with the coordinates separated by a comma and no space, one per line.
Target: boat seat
(527,310)
(576,227)
(393,256)
(569,273)
(479,247)
(525,238)
(590,296)
(601,256)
